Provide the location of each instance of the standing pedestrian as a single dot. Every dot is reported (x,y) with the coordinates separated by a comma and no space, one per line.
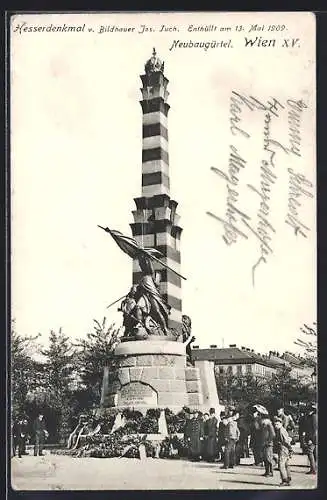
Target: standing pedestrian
(14,436)
(221,435)
(284,450)
(205,419)
(20,432)
(267,438)
(310,438)
(301,424)
(256,439)
(242,448)
(40,433)
(232,436)
(211,442)
(196,434)
(287,421)
(27,428)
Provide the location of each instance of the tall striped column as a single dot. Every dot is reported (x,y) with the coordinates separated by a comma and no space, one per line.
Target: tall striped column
(156,223)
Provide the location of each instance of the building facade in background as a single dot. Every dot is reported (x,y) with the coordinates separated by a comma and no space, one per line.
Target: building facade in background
(242,361)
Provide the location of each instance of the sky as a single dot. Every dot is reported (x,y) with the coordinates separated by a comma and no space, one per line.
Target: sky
(76,148)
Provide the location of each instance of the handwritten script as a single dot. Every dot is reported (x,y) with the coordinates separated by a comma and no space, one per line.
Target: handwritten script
(277,152)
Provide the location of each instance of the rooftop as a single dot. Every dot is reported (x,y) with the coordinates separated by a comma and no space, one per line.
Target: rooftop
(233,355)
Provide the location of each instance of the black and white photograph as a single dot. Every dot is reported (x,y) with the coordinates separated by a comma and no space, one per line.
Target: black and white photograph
(163,330)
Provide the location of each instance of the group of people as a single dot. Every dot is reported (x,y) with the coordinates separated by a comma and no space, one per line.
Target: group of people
(22,433)
(230,438)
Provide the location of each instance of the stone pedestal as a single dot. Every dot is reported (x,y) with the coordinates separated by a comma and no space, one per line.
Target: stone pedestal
(147,374)
(151,374)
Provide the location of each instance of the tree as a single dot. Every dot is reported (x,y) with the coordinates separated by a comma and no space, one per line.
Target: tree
(24,370)
(93,354)
(240,390)
(280,386)
(59,369)
(288,392)
(309,347)
(279,390)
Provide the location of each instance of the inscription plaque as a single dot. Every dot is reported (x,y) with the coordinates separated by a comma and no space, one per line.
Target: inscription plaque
(136,393)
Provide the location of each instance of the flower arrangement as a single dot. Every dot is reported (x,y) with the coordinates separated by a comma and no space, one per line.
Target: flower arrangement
(176,422)
(115,445)
(126,440)
(173,447)
(136,423)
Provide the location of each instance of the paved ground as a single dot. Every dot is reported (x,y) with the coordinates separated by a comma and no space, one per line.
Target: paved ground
(58,472)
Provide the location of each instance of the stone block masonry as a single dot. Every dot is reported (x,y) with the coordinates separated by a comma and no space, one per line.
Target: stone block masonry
(124,376)
(165,374)
(172,399)
(195,399)
(192,373)
(193,386)
(135,374)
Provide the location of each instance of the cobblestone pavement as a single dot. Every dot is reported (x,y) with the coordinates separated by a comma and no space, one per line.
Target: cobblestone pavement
(57,472)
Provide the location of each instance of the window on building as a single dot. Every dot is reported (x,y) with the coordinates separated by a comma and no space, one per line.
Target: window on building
(239,370)
(230,370)
(221,369)
(248,368)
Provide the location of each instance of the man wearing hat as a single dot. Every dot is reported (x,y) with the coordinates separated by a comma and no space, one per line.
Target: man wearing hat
(211,442)
(221,435)
(284,450)
(40,435)
(242,448)
(256,438)
(310,438)
(301,424)
(20,432)
(195,435)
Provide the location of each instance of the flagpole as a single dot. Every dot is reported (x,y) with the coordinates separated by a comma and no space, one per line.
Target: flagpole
(162,263)
(140,249)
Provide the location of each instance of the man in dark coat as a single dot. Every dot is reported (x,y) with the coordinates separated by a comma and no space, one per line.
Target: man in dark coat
(14,431)
(221,435)
(20,435)
(195,436)
(40,435)
(211,442)
(267,437)
(310,438)
(301,424)
(242,447)
(187,426)
(205,436)
(256,439)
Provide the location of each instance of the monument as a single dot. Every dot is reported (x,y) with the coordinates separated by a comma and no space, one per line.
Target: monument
(150,364)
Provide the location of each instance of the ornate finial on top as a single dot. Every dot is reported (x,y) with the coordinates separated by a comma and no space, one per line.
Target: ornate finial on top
(154,64)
